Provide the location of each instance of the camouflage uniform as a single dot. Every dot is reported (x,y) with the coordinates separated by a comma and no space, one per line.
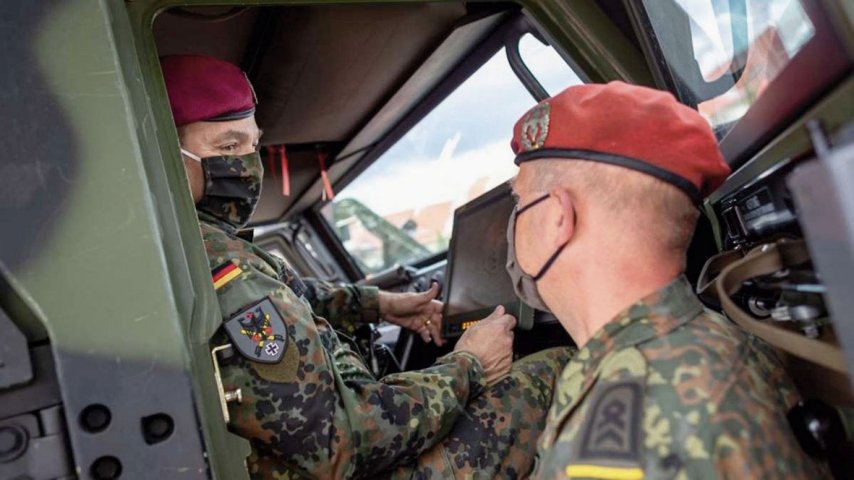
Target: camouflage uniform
(669,390)
(320,413)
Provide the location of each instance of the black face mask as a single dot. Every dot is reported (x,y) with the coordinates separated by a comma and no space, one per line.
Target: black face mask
(232,187)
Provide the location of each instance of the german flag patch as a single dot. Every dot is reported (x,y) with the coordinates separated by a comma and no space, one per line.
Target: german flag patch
(225,273)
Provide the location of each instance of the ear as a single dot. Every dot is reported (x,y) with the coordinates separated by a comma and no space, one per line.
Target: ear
(567,213)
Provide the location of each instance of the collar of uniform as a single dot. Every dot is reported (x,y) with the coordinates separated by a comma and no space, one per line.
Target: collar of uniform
(246,234)
(652,316)
(208,218)
(656,314)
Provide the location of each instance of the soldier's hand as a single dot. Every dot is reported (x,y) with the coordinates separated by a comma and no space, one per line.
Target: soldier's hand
(419,312)
(491,341)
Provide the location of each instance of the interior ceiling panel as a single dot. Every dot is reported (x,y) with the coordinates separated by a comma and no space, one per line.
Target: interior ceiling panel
(327,68)
(220,32)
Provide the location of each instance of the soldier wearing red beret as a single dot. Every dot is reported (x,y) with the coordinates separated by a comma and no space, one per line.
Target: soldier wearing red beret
(310,406)
(608,185)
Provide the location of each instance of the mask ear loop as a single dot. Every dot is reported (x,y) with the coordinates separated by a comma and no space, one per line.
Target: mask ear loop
(191,155)
(534,202)
(557,253)
(549,263)
(519,211)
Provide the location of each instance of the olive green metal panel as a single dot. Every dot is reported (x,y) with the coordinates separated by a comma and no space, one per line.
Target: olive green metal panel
(99,281)
(103,265)
(592,40)
(841,14)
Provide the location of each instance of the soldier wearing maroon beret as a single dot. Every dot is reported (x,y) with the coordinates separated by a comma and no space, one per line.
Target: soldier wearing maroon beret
(308,404)
(609,181)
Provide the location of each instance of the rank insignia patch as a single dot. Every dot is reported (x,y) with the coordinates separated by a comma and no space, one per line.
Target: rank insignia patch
(225,273)
(611,435)
(258,332)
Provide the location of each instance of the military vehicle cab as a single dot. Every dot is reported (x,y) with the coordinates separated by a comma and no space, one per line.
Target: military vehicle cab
(386,146)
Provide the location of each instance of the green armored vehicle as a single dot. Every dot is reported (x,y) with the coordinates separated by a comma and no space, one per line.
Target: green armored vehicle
(386,137)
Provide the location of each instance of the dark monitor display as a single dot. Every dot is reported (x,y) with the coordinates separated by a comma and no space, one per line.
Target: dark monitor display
(476,279)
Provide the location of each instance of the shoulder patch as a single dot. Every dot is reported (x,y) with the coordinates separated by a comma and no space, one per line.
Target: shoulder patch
(283,372)
(225,273)
(610,436)
(258,332)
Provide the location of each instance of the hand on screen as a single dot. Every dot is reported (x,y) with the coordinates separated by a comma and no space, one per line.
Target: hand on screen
(419,312)
(491,341)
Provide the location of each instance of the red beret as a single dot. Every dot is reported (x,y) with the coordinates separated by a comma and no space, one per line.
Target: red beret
(620,124)
(206,89)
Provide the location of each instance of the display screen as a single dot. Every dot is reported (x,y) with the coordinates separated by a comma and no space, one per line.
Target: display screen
(477,277)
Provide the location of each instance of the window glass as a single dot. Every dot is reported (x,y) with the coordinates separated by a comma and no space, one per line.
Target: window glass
(723,55)
(553,73)
(400,210)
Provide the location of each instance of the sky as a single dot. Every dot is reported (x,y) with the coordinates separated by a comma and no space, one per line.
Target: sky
(465,138)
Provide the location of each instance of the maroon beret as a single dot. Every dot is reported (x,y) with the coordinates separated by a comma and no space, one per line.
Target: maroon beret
(204,88)
(627,125)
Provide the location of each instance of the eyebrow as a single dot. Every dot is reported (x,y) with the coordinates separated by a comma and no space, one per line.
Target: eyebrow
(231,134)
(237,135)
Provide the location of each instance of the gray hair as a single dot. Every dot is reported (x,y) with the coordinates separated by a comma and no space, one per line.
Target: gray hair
(639,203)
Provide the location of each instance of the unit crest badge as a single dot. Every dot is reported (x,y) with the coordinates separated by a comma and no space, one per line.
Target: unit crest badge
(535,127)
(258,332)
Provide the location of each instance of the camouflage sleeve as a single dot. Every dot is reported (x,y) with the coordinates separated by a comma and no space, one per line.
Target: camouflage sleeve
(319,411)
(346,307)
(671,413)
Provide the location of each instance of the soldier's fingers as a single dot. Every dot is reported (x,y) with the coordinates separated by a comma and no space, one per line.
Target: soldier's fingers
(509,322)
(497,313)
(425,333)
(434,290)
(426,296)
(434,324)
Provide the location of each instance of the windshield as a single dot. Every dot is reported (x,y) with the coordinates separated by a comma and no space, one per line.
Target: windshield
(723,54)
(400,210)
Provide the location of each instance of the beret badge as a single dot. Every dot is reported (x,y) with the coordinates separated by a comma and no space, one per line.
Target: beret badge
(535,127)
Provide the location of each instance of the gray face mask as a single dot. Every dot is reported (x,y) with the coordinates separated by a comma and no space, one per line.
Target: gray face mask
(524,284)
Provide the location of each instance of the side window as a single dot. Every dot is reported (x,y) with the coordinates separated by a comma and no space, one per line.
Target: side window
(546,65)
(722,55)
(400,210)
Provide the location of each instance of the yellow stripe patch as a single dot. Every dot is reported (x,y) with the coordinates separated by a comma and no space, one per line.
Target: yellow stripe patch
(606,473)
(226,277)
